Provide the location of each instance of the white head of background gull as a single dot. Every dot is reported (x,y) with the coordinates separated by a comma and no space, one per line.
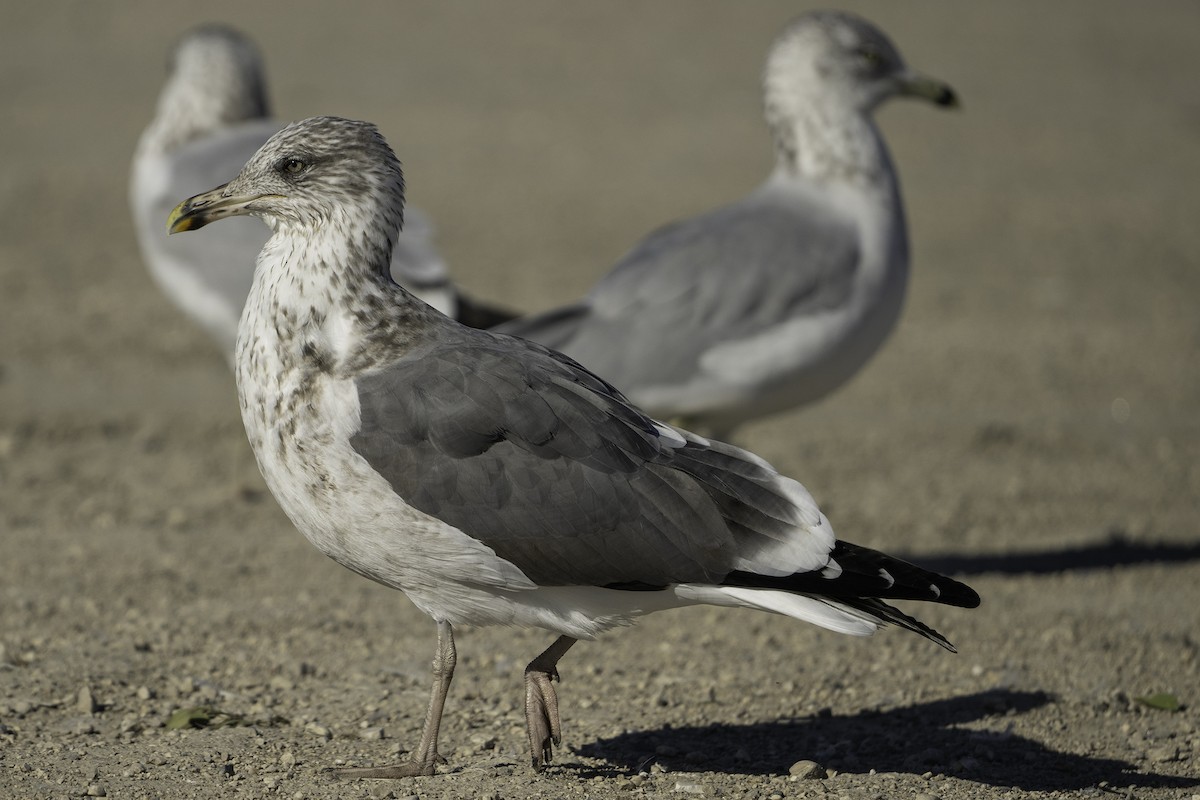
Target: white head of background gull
(212,116)
(490,479)
(779,298)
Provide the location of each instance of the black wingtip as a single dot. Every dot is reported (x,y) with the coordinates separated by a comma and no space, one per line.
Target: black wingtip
(867,573)
(890,614)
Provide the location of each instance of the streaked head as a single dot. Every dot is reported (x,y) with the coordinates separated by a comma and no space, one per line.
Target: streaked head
(215,79)
(316,171)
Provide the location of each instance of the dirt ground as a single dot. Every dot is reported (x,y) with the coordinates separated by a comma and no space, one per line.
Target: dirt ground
(1031,426)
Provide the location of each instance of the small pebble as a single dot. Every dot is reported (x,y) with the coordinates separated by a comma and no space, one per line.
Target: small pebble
(80,726)
(371,734)
(96,790)
(483,741)
(1163,754)
(85,702)
(807,769)
(318,730)
(926,796)
(688,787)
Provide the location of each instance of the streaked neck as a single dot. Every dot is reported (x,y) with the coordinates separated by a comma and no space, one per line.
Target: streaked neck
(321,295)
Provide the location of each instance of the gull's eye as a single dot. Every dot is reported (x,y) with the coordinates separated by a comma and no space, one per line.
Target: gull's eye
(291,165)
(871,57)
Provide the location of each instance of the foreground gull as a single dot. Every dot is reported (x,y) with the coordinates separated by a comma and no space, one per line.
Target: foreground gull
(212,117)
(778,299)
(490,479)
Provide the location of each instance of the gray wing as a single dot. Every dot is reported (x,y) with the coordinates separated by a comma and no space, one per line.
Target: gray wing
(527,452)
(728,275)
(207,274)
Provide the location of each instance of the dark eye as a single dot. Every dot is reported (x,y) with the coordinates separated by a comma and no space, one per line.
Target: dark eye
(291,165)
(872,58)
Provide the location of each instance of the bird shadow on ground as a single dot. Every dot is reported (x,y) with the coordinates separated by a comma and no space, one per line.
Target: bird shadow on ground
(914,739)
(1115,552)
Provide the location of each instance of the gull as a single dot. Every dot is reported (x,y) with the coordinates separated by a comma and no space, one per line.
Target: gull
(779,298)
(492,480)
(212,116)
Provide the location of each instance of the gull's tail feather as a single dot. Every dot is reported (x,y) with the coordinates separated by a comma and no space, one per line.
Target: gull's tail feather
(859,573)
(477,314)
(847,596)
(553,328)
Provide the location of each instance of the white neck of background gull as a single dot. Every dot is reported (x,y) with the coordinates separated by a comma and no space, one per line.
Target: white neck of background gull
(822,138)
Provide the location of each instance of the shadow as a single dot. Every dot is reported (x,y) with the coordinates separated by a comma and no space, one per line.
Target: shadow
(913,739)
(1116,552)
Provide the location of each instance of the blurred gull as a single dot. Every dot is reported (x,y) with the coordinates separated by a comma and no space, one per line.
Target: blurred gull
(490,479)
(778,299)
(212,117)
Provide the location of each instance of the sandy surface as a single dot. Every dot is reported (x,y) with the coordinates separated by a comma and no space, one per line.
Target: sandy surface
(1032,425)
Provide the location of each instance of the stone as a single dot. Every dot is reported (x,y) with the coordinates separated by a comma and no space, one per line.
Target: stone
(1163,753)
(85,703)
(807,769)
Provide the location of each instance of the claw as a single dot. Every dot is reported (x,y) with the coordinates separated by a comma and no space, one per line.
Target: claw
(541,717)
(541,703)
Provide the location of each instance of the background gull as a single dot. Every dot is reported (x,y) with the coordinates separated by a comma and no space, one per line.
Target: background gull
(778,299)
(493,480)
(212,116)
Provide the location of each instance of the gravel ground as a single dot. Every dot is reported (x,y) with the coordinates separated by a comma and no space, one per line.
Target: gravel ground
(1031,426)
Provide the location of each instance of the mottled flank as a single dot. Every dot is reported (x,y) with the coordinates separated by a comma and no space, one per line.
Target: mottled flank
(492,480)
(780,298)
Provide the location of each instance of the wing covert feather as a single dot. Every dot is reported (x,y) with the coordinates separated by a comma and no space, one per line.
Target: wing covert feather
(524,450)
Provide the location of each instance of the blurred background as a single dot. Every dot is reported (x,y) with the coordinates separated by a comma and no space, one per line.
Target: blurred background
(1040,395)
(1051,316)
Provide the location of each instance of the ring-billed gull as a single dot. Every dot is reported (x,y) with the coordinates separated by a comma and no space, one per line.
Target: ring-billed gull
(779,298)
(212,116)
(492,480)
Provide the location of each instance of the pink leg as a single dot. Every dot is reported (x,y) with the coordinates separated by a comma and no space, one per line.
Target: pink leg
(426,757)
(541,702)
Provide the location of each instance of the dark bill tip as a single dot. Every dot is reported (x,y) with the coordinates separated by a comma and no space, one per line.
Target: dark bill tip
(921,86)
(946,98)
